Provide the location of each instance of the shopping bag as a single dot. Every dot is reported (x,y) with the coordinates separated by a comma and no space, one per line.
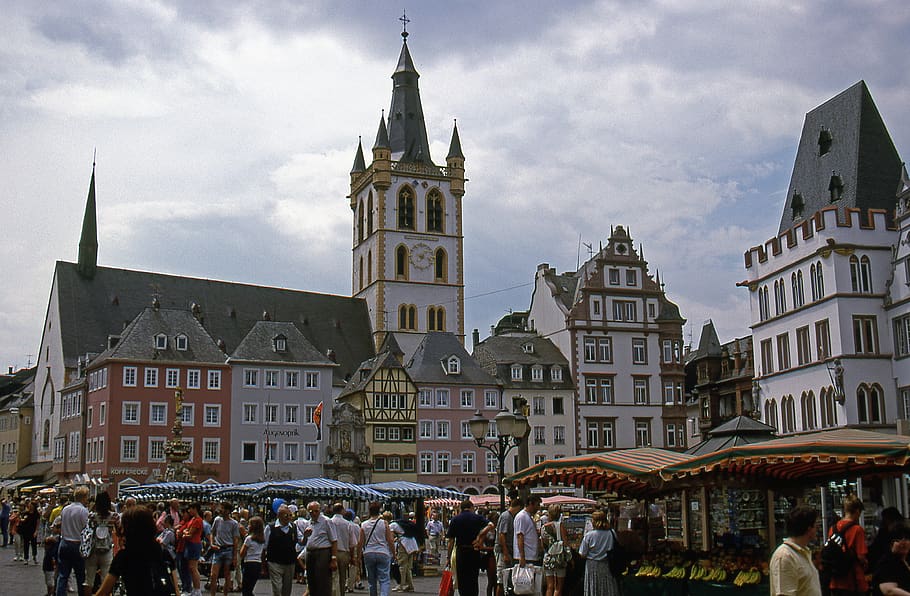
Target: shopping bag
(446,586)
(523,580)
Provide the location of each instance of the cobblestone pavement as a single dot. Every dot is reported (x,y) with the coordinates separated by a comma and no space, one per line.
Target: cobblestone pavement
(17,579)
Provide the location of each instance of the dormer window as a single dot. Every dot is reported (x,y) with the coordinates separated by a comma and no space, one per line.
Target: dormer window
(537,373)
(836,187)
(824,142)
(181,342)
(556,373)
(797,205)
(528,348)
(453,365)
(516,372)
(161,341)
(280,343)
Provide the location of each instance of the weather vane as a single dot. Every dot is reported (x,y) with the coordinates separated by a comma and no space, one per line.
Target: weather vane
(404,24)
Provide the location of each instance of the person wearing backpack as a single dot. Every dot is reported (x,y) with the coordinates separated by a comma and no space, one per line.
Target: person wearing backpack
(792,571)
(557,554)
(103,522)
(846,567)
(143,567)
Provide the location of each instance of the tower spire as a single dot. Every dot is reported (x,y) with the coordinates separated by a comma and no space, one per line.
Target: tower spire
(455,144)
(359,163)
(88,242)
(407,128)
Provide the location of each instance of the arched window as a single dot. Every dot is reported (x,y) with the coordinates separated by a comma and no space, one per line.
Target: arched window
(780,297)
(819,281)
(764,312)
(370,267)
(808,411)
(771,413)
(360,271)
(796,280)
(407,317)
(870,405)
(788,414)
(434,211)
(828,407)
(360,222)
(865,274)
(441,268)
(46,434)
(436,318)
(406,208)
(401,262)
(370,214)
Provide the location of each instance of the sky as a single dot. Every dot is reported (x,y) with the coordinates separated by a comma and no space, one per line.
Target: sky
(225,132)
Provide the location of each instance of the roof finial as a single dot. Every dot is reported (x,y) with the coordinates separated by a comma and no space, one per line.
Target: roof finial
(404,25)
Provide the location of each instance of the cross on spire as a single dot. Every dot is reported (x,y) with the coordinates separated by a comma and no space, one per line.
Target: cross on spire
(404,24)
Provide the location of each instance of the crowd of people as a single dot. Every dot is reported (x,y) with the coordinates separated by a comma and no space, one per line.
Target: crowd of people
(94,546)
(878,568)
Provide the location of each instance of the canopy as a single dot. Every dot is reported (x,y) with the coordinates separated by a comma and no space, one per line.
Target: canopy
(631,471)
(321,488)
(167,490)
(402,489)
(567,500)
(830,454)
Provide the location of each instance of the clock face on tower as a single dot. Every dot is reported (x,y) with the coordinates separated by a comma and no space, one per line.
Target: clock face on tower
(421,255)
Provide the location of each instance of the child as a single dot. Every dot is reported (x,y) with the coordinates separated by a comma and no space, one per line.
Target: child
(49,564)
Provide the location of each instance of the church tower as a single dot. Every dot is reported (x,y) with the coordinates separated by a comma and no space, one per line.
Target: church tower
(408,256)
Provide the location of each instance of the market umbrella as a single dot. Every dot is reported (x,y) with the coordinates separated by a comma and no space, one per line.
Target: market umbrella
(837,453)
(402,489)
(631,471)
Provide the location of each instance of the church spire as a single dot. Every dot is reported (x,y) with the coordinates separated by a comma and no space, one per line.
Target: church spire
(407,129)
(382,135)
(359,163)
(88,243)
(455,144)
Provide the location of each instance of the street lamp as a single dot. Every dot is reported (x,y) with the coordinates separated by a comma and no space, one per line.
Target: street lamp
(511,430)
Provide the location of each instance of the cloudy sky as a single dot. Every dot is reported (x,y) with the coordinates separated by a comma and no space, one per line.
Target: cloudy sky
(225,132)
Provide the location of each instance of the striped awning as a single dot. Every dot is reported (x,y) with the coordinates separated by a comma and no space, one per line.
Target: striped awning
(317,488)
(829,454)
(629,471)
(402,489)
(168,490)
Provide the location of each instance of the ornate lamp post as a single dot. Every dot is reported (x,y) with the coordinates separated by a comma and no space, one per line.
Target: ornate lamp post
(512,430)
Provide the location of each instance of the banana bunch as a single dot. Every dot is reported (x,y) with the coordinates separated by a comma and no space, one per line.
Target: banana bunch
(747,578)
(718,574)
(676,573)
(648,571)
(697,572)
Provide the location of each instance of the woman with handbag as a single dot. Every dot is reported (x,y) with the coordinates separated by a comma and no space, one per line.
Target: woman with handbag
(595,548)
(554,564)
(377,545)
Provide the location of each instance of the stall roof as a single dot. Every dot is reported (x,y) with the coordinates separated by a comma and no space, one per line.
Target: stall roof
(402,489)
(837,453)
(740,430)
(632,471)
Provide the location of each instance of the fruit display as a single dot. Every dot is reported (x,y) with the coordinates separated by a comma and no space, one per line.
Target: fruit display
(719,566)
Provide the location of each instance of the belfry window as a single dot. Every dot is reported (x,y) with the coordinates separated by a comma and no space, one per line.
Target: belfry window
(440,265)
(401,262)
(434,211)
(406,209)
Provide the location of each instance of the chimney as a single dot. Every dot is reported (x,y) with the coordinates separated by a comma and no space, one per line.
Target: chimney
(330,353)
(10,370)
(475,337)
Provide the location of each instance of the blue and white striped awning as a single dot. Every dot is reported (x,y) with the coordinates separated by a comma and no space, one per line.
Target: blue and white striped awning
(402,489)
(318,488)
(167,490)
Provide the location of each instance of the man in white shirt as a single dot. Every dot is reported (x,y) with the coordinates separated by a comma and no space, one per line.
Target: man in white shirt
(792,571)
(321,552)
(435,534)
(527,541)
(347,535)
(72,519)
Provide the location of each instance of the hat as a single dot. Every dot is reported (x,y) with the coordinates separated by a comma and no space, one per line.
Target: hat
(292,508)
(412,514)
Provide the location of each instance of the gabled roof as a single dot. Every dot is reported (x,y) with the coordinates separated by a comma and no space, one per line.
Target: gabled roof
(137,341)
(384,360)
(565,286)
(741,430)
(845,138)
(259,346)
(427,364)
(93,309)
(510,349)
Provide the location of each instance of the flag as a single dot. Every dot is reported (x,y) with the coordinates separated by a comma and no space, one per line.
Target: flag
(317,420)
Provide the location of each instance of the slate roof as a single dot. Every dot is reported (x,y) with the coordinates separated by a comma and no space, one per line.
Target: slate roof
(407,129)
(566,285)
(367,370)
(861,153)
(258,346)
(708,343)
(92,309)
(426,365)
(741,430)
(137,341)
(497,354)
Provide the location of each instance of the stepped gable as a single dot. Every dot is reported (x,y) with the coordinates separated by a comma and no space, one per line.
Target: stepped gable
(845,158)
(92,309)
